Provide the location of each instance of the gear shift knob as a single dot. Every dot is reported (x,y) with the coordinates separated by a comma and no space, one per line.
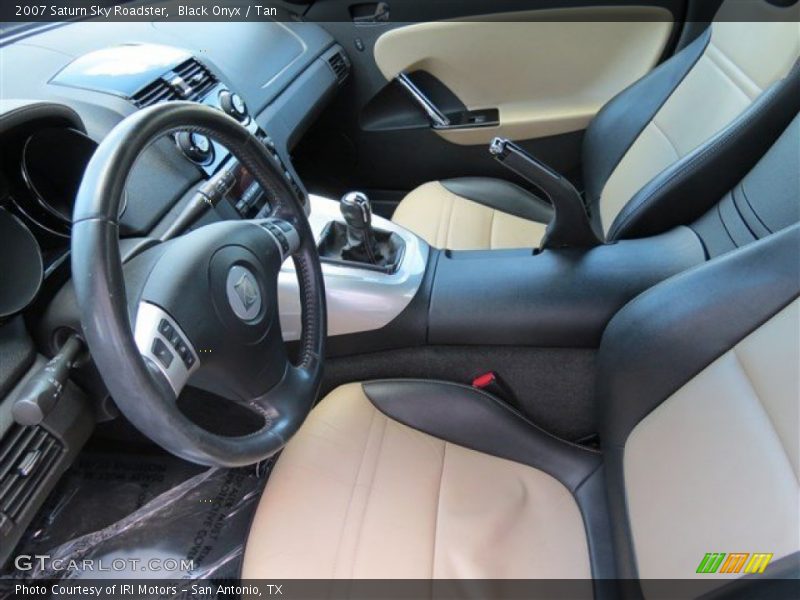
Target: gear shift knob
(357,213)
(356,210)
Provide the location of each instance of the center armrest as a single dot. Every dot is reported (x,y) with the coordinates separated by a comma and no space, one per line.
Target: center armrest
(553,298)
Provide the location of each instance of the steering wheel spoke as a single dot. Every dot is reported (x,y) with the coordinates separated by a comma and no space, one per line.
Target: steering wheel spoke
(164,344)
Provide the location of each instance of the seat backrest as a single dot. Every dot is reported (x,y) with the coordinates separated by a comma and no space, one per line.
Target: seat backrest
(696,124)
(699,389)
(764,202)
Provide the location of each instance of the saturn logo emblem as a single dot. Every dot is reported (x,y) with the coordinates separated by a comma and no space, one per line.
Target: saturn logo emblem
(243,293)
(247,290)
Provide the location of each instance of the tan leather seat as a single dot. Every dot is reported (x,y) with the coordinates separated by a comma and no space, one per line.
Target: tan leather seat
(357,494)
(657,155)
(446,220)
(698,394)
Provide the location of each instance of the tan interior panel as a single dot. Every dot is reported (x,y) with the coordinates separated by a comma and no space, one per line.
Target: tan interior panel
(547,72)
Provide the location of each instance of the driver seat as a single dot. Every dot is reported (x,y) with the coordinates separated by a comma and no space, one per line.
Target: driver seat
(698,394)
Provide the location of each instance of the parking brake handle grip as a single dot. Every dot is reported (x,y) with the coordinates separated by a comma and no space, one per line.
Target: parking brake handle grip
(570,226)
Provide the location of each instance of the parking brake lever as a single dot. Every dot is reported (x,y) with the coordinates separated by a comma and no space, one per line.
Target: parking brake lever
(570,226)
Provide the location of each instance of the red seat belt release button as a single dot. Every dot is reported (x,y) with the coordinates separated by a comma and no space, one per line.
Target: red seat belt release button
(492,383)
(484,381)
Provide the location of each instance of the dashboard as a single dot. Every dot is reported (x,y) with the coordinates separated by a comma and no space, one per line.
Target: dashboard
(64,88)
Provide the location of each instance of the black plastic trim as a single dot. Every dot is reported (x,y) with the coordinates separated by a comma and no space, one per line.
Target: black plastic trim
(557,298)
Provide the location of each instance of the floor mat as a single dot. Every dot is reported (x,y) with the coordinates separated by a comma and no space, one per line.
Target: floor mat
(160,519)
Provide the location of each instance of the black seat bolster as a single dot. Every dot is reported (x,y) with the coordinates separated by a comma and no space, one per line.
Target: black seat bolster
(689,187)
(764,202)
(477,420)
(592,499)
(501,195)
(620,122)
(667,335)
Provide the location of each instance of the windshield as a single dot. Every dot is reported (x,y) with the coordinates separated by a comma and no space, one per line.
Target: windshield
(12,28)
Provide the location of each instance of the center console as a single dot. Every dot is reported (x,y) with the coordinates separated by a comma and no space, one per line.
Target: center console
(553,298)
(550,298)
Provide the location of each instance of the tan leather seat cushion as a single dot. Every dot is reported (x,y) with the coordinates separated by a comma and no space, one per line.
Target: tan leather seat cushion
(446,220)
(358,495)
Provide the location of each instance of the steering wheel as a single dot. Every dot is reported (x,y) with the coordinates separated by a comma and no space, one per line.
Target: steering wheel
(202,305)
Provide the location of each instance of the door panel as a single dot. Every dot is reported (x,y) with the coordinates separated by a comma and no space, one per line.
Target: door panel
(548,73)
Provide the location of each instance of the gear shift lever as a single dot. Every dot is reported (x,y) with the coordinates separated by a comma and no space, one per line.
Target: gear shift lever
(357,212)
(355,243)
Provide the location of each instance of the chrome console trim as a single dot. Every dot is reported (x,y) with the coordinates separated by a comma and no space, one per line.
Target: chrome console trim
(358,299)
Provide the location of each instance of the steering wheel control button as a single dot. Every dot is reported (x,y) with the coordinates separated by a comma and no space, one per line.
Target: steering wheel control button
(279,235)
(243,293)
(159,339)
(165,329)
(182,350)
(284,234)
(175,340)
(162,353)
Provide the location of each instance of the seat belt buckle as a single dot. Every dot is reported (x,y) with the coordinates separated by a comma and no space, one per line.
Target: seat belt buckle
(492,383)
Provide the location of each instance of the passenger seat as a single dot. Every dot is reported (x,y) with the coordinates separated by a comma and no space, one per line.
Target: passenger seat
(657,155)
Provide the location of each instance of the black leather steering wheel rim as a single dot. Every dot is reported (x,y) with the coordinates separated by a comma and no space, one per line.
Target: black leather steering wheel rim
(99,283)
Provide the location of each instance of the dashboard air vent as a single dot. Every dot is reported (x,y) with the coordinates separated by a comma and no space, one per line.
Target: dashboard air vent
(190,80)
(340,65)
(27,456)
(158,91)
(199,78)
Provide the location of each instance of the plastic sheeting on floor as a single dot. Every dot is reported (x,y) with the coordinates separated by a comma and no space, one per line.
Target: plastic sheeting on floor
(98,490)
(193,530)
